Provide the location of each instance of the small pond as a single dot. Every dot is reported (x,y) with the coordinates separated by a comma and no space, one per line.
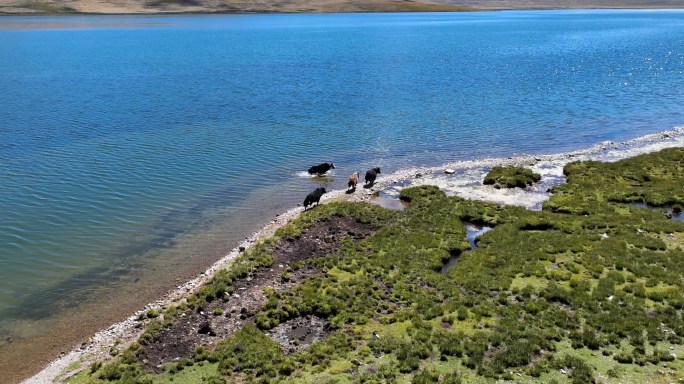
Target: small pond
(677,216)
(389,198)
(472,232)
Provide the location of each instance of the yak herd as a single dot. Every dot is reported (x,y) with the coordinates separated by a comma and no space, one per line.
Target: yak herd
(321,169)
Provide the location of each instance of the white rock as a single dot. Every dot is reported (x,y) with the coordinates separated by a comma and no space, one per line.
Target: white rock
(449,171)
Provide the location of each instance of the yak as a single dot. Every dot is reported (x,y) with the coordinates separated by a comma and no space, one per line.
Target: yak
(353,180)
(371,174)
(321,168)
(314,197)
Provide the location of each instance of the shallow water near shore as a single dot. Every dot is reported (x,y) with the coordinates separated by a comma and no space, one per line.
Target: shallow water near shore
(472,233)
(134,155)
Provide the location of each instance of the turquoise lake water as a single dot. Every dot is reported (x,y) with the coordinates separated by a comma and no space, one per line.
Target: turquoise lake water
(135,151)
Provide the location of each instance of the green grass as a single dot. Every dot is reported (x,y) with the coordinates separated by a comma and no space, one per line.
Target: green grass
(197,373)
(511,177)
(342,276)
(81,377)
(587,290)
(521,282)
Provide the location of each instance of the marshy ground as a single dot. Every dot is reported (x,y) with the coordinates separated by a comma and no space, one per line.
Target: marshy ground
(589,289)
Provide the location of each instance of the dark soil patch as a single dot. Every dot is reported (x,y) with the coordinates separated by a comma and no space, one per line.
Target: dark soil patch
(221,318)
(299,333)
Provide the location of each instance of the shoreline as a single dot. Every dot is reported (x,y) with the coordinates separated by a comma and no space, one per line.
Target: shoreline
(47,9)
(464,183)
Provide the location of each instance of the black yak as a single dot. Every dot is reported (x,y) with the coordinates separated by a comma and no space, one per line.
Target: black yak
(314,197)
(321,168)
(371,174)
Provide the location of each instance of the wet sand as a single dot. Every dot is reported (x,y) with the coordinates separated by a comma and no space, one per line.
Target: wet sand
(465,182)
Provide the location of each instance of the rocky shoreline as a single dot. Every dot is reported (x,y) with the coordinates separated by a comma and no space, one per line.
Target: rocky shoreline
(464,182)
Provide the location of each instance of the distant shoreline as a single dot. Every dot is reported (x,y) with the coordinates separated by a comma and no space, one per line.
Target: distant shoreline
(211,7)
(40,25)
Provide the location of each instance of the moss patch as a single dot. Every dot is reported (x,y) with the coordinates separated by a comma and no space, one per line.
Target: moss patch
(511,177)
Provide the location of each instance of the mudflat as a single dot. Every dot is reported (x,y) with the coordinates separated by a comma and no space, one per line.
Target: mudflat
(316,6)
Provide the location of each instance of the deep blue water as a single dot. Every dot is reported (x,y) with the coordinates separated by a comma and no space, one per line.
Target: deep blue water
(122,139)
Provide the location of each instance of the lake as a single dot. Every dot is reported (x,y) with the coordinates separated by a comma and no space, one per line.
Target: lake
(137,150)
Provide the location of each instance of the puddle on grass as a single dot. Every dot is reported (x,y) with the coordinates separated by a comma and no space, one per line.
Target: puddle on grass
(677,216)
(392,204)
(671,214)
(388,198)
(472,233)
(450,263)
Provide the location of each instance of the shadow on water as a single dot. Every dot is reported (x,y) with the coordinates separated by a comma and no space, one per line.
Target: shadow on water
(42,305)
(472,233)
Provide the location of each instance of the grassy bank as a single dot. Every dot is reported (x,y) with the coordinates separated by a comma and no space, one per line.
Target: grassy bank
(587,290)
